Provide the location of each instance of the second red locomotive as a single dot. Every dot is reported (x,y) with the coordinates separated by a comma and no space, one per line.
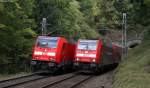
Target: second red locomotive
(52,53)
(91,55)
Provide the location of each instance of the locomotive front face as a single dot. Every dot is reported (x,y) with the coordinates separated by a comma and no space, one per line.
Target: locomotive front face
(86,51)
(86,55)
(45,49)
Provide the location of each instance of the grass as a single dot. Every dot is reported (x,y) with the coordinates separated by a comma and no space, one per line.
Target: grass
(14,70)
(134,72)
(9,76)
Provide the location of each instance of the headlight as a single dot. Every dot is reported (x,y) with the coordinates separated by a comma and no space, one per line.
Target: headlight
(77,59)
(94,60)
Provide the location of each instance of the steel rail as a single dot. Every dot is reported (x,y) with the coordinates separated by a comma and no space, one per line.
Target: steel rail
(82,81)
(59,81)
(17,82)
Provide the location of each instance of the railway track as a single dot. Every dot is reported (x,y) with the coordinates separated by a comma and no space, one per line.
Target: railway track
(20,80)
(69,82)
(60,81)
(34,82)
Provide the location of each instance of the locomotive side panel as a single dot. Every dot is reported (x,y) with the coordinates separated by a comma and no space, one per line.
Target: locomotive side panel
(68,52)
(117,53)
(107,55)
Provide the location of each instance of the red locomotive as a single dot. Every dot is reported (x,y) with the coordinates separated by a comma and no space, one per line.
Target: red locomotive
(52,53)
(92,55)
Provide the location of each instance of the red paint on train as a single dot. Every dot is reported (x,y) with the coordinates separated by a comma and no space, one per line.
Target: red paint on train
(93,54)
(52,53)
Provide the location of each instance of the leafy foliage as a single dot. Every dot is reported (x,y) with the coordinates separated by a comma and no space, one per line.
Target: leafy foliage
(16,31)
(64,18)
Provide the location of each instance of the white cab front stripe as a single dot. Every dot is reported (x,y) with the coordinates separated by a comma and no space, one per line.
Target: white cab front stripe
(37,53)
(92,55)
(79,55)
(86,55)
(51,54)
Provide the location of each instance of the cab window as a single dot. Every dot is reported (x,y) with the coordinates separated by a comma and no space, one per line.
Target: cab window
(87,45)
(47,43)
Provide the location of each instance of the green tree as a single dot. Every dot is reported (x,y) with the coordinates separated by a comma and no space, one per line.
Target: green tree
(64,18)
(16,30)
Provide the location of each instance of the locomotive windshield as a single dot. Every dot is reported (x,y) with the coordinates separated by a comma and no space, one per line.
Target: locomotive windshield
(47,42)
(87,45)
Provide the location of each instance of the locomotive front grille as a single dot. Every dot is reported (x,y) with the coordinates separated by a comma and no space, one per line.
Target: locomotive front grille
(85,66)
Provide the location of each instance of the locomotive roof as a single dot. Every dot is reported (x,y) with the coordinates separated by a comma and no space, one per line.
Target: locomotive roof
(86,40)
(48,37)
